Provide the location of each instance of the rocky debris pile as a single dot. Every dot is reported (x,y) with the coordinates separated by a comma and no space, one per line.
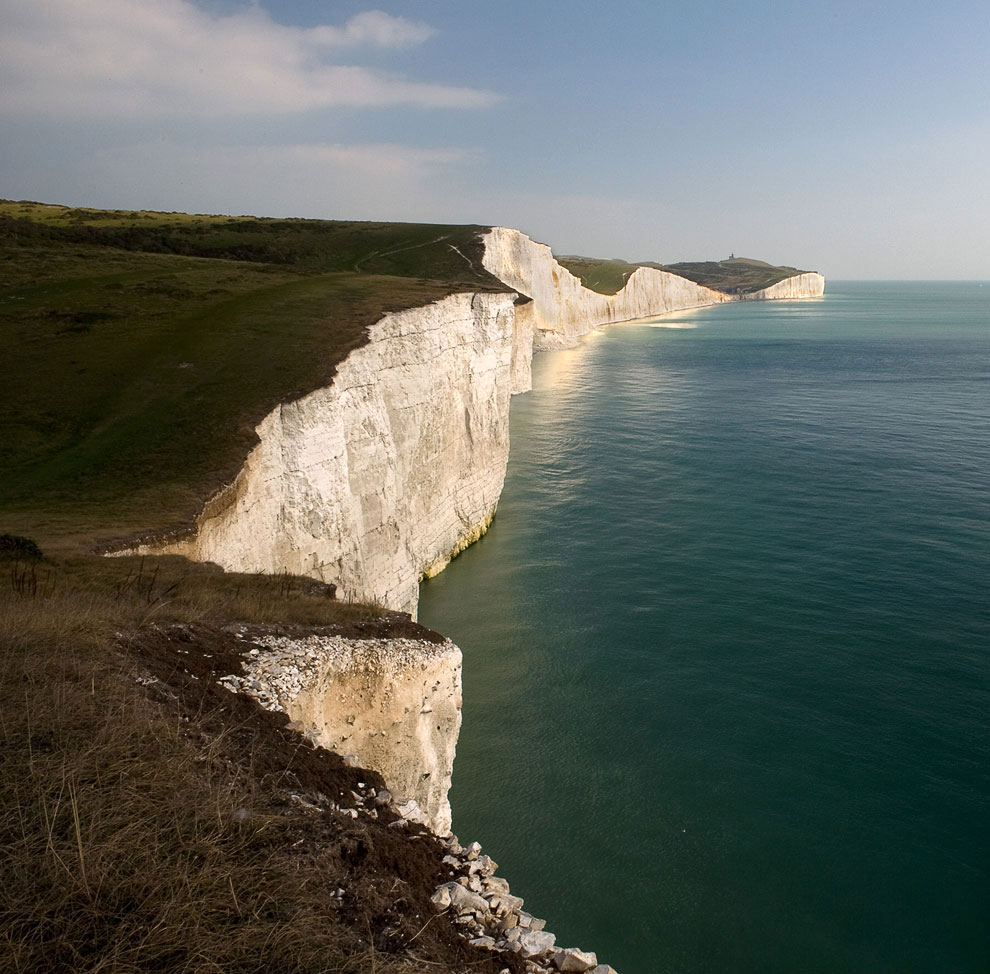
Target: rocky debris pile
(277,667)
(489,916)
(479,903)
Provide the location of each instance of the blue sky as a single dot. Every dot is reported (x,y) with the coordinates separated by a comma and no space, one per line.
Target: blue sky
(853,138)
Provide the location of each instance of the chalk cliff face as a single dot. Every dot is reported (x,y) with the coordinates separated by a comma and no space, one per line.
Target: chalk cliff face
(393,704)
(380,478)
(377,480)
(563,309)
(809,285)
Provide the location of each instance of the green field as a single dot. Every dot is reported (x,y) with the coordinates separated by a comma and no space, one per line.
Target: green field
(735,275)
(140,350)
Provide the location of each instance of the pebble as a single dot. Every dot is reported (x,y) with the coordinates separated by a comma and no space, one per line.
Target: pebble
(572,959)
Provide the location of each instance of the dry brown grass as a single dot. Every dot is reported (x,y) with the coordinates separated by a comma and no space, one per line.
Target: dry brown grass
(135,834)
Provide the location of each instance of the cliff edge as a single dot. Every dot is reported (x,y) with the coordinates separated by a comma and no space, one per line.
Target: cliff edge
(376,481)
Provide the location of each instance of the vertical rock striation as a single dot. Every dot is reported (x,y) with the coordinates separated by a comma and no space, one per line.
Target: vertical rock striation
(380,478)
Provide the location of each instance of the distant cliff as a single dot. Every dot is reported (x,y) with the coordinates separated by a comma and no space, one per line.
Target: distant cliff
(811,284)
(563,309)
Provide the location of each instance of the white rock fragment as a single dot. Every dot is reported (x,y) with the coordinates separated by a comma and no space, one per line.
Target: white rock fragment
(483,865)
(441,899)
(464,900)
(572,959)
(536,942)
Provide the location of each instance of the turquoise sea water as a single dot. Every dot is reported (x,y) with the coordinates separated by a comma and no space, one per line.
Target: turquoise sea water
(727,643)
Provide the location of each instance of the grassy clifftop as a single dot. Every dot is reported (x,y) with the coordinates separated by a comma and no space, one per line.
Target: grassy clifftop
(141,349)
(735,275)
(150,819)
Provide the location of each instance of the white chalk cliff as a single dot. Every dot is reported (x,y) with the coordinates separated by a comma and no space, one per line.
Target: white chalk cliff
(377,480)
(564,309)
(807,285)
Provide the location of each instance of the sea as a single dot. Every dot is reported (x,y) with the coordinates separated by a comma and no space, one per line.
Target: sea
(727,642)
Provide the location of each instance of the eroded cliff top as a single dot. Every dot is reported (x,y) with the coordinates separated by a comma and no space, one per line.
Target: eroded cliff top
(153,820)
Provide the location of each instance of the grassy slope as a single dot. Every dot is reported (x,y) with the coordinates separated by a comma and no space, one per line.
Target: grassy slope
(736,275)
(141,349)
(151,820)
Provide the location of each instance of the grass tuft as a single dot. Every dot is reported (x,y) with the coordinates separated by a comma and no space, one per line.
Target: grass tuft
(15,548)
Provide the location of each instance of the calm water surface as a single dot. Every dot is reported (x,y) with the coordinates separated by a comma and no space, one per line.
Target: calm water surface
(727,644)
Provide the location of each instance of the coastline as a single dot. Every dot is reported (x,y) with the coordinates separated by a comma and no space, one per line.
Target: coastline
(378,480)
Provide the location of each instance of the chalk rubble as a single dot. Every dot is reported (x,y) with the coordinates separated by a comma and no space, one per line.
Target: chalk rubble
(488,916)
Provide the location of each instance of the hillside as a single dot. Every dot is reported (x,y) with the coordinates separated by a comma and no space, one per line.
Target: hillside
(735,275)
(141,349)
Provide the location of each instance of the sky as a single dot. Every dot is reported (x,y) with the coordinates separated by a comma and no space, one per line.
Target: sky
(851,138)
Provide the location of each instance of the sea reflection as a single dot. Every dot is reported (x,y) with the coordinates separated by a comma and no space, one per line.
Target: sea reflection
(672,319)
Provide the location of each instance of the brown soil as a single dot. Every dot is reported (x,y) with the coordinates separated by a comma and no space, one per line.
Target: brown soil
(387,874)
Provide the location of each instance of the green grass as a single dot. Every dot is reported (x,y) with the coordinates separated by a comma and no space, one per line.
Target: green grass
(147,819)
(136,368)
(735,275)
(603,276)
(431,251)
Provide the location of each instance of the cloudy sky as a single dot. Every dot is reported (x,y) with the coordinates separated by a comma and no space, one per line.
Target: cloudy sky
(850,137)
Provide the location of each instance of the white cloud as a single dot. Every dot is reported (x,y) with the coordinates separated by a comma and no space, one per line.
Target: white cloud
(376,28)
(155,58)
